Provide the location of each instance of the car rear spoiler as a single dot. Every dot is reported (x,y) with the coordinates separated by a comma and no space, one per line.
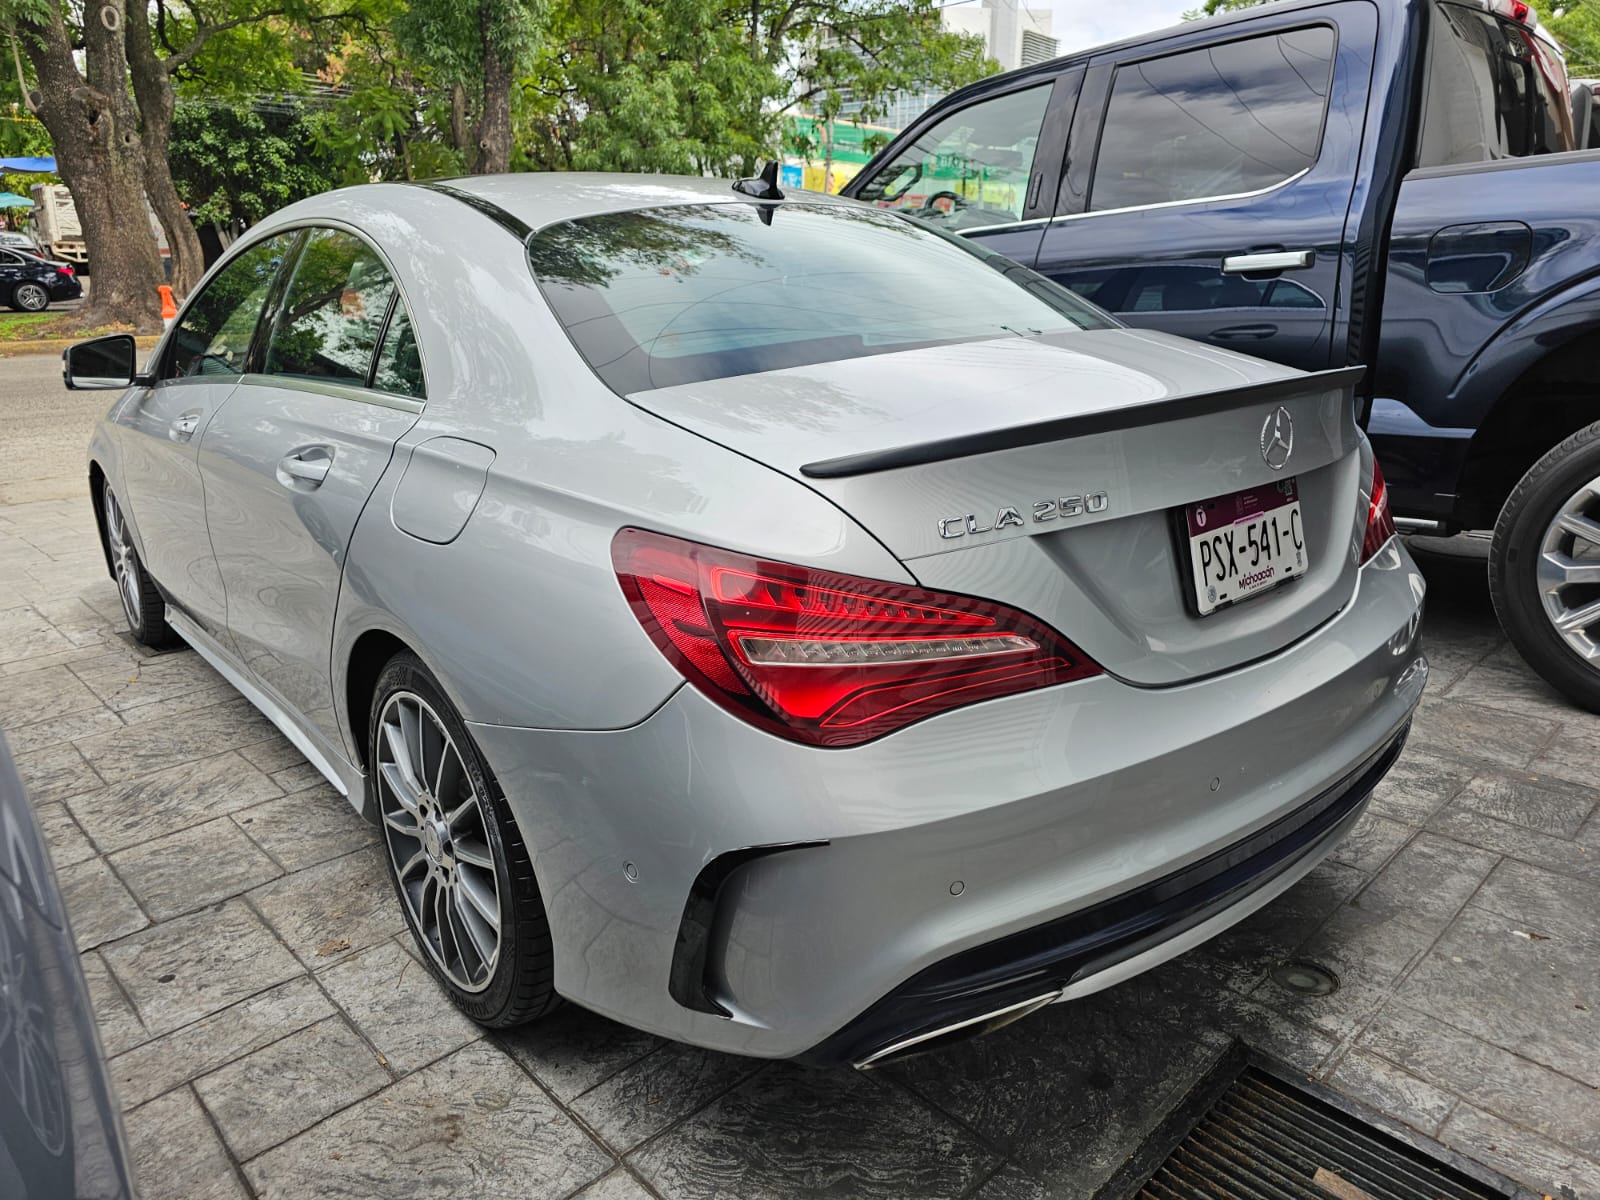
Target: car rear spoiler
(1057,429)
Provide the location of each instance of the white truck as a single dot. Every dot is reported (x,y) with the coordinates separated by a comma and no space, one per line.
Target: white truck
(55,224)
(58,231)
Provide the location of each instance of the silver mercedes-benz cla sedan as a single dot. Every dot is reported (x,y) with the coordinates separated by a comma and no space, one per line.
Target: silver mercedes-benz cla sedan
(761,619)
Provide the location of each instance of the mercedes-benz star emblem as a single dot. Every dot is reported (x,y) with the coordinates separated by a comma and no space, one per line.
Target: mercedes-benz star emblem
(1277,438)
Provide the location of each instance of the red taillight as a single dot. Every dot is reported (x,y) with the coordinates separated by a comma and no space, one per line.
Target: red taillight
(63,269)
(1380,525)
(831,660)
(1519,12)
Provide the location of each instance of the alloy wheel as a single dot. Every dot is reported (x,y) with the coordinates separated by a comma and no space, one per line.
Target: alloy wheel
(435,826)
(28,1061)
(124,564)
(30,297)
(1569,572)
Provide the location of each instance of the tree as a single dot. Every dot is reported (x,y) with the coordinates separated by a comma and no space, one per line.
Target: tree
(95,131)
(478,48)
(1577,26)
(237,163)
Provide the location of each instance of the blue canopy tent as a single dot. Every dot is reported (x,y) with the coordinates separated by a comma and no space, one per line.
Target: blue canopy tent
(33,166)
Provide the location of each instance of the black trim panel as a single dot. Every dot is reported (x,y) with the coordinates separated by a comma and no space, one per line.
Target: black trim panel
(1174,408)
(1061,952)
(688,982)
(514,225)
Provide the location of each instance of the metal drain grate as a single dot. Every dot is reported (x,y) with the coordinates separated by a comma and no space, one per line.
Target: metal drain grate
(1264,1139)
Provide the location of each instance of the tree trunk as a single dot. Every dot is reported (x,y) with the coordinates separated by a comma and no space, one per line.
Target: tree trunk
(96,137)
(494,125)
(152,90)
(460,131)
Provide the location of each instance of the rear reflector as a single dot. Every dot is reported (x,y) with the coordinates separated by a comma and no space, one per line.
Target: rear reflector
(1380,524)
(827,659)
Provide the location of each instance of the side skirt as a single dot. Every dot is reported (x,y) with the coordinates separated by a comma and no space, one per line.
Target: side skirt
(350,782)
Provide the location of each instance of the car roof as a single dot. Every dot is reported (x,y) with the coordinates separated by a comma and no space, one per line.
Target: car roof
(542,198)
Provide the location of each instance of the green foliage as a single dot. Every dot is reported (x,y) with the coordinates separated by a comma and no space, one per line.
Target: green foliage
(233,163)
(1576,26)
(1212,8)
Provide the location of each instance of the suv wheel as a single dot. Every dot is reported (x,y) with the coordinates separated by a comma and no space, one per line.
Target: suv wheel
(456,857)
(30,297)
(1544,567)
(142,602)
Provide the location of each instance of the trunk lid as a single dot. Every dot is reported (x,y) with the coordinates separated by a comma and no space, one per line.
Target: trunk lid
(953,457)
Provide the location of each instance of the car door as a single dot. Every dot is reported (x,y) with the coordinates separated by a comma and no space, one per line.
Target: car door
(157,478)
(290,459)
(985,169)
(10,274)
(1218,169)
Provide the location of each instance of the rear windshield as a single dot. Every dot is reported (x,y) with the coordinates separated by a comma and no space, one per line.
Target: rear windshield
(665,296)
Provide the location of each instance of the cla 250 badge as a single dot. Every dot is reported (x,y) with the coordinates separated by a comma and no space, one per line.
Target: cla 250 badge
(1010,517)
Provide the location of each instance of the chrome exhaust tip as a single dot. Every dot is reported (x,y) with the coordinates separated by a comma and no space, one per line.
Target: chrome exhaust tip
(977,1026)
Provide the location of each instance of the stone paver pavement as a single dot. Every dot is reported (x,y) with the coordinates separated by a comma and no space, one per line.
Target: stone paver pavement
(272,1035)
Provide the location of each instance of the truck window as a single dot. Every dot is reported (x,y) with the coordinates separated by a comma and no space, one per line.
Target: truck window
(1218,121)
(1495,90)
(970,169)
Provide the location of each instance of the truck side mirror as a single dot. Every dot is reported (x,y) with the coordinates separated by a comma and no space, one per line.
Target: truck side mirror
(100,363)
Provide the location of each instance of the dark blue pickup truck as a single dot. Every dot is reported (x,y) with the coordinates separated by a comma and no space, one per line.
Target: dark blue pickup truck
(1407,184)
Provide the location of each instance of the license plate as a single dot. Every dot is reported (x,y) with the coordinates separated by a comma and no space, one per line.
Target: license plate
(1245,543)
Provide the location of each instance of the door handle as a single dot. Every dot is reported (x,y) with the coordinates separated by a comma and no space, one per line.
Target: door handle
(308,465)
(1268,260)
(1244,333)
(182,429)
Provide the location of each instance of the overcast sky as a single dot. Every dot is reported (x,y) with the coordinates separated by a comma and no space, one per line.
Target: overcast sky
(1080,24)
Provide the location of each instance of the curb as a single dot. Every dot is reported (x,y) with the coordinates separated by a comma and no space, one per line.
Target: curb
(56,345)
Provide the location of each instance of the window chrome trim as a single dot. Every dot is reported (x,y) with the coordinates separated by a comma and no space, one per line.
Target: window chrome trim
(339,391)
(1105,212)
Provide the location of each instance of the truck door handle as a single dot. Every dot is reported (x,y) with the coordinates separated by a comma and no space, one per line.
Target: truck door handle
(1244,333)
(182,429)
(1268,260)
(308,465)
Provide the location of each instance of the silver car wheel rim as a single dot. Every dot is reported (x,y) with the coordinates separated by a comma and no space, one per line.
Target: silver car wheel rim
(1569,573)
(123,564)
(434,822)
(33,297)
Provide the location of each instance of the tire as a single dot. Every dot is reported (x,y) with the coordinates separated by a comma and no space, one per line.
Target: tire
(1543,532)
(438,845)
(142,602)
(30,297)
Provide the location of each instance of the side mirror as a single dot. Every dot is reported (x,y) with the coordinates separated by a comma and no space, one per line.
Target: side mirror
(100,363)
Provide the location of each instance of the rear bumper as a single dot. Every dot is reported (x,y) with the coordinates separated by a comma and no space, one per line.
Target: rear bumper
(825,903)
(1071,955)
(66,289)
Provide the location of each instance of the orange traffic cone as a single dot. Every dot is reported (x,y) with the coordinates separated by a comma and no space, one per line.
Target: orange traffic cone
(169,310)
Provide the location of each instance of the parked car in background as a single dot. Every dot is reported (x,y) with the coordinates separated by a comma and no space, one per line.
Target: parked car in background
(29,283)
(12,240)
(766,622)
(1401,184)
(60,1126)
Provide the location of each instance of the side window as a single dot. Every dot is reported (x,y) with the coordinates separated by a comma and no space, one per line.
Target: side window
(972,168)
(1495,90)
(214,334)
(328,323)
(1226,119)
(399,369)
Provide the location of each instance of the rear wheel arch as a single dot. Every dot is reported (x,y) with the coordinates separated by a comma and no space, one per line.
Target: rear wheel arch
(1553,397)
(368,656)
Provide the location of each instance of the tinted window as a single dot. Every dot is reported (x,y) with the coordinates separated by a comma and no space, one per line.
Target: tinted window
(674,295)
(1214,122)
(332,312)
(213,336)
(1494,91)
(399,367)
(972,168)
